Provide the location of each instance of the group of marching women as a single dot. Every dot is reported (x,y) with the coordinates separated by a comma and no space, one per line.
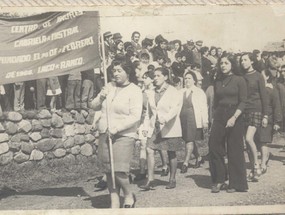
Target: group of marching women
(246,111)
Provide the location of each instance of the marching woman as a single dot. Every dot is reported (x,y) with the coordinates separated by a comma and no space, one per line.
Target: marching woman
(256,110)
(193,117)
(164,125)
(265,135)
(124,102)
(226,137)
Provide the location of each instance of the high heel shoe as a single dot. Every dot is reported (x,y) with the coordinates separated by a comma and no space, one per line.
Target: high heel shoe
(199,162)
(184,168)
(217,187)
(164,172)
(171,185)
(131,205)
(263,170)
(148,186)
(101,184)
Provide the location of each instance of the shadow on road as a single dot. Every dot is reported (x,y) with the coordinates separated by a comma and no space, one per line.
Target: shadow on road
(62,191)
(202,181)
(102,201)
(157,183)
(7,191)
(276,146)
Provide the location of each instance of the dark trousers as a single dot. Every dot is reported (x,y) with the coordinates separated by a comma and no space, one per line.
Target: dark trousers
(227,141)
(73,94)
(41,93)
(87,93)
(63,86)
(98,84)
(7,100)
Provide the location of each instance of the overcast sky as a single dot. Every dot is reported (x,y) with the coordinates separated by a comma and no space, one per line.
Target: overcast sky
(238,28)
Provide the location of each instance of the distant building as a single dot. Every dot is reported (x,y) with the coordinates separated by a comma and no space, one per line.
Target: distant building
(275,46)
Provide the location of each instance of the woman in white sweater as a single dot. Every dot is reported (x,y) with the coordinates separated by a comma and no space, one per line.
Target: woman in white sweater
(124,102)
(164,129)
(193,117)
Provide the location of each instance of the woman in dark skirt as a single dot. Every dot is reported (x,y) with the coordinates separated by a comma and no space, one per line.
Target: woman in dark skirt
(193,117)
(256,110)
(163,121)
(264,135)
(226,137)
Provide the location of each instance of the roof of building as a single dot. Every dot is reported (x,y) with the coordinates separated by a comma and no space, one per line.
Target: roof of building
(275,46)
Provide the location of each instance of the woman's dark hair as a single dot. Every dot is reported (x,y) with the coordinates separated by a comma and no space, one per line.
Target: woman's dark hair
(135,32)
(145,56)
(125,66)
(149,74)
(193,75)
(195,66)
(176,80)
(136,63)
(213,48)
(180,44)
(231,59)
(146,43)
(164,72)
(127,45)
(204,50)
(251,58)
(150,68)
(118,42)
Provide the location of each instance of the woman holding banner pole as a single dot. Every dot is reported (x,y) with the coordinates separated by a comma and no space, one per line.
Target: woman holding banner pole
(124,107)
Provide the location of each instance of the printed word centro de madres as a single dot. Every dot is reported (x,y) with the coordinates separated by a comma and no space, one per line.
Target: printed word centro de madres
(47,68)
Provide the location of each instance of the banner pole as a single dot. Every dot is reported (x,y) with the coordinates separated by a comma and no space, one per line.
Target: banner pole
(110,142)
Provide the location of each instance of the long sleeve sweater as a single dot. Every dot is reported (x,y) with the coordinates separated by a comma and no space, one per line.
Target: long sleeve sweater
(257,100)
(274,114)
(231,90)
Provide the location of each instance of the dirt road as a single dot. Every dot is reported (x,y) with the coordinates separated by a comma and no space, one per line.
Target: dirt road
(193,189)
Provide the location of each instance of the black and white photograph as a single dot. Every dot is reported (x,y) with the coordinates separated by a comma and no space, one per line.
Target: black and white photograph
(142,108)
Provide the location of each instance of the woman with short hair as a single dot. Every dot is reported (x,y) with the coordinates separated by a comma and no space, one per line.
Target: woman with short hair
(193,117)
(163,121)
(124,102)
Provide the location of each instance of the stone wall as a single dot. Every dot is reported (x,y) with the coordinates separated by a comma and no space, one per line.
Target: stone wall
(38,135)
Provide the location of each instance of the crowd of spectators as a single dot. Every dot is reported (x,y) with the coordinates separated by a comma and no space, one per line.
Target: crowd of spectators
(75,90)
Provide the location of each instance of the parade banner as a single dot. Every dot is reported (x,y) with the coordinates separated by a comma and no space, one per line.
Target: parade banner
(49,44)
